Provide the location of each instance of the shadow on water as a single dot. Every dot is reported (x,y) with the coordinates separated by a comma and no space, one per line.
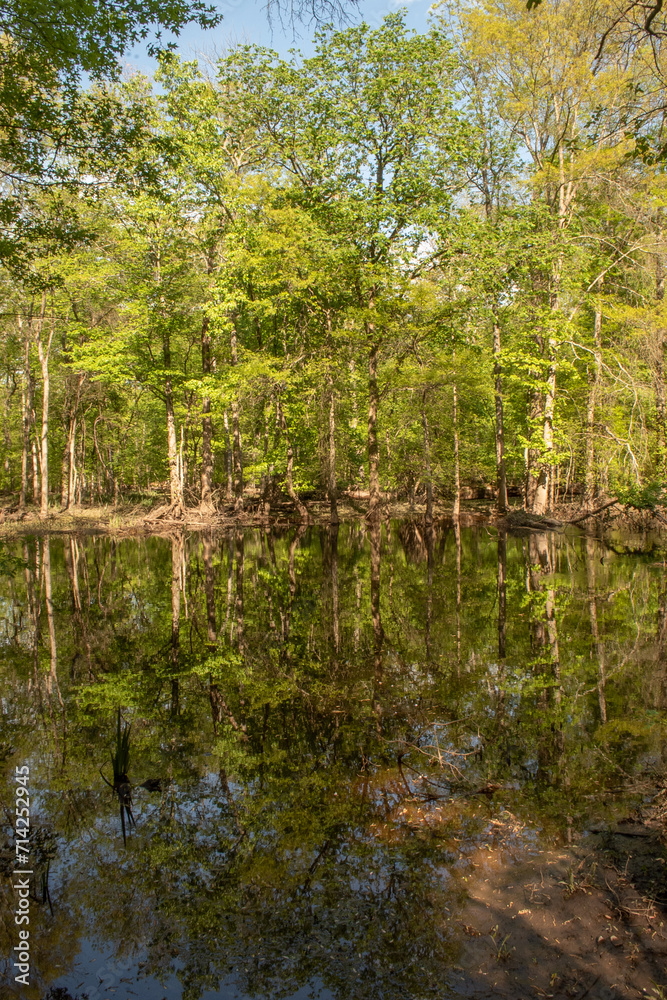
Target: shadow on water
(350,724)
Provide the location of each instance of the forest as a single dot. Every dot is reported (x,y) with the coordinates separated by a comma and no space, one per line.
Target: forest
(290,721)
(416,267)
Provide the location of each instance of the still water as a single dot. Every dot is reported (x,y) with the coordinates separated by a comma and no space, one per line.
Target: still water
(322,729)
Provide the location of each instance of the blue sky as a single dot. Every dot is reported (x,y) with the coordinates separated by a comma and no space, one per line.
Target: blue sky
(246,21)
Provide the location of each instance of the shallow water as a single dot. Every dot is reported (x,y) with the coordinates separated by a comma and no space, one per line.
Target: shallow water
(341,723)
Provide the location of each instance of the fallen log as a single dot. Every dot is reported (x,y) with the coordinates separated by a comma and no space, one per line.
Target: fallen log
(592,513)
(534,522)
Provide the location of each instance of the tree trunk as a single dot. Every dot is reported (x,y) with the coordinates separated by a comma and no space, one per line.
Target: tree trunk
(331,464)
(501,480)
(541,497)
(659,375)
(26,411)
(237,451)
(35,469)
(175,489)
(64,471)
(660,403)
(294,497)
(593,382)
(78,493)
(456,509)
(8,437)
(532,459)
(43,353)
(373,451)
(427,462)
(68,470)
(69,463)
(28,444)
(228,459)
(71,486)
(207,424)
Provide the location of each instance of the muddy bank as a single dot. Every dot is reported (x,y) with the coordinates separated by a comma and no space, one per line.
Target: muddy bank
(588,920)
(128,520)
(622,529)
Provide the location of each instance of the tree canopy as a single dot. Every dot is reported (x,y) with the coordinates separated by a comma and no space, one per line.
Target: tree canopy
(410,266)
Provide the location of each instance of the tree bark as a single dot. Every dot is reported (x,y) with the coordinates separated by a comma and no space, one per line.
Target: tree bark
(237,451)
(331,464)
(501,480)
(26,413)
(35,468)
(69,473)
(64,471)
(373,451)
(456,509)
(593,382)
(530,488)
(43,353)
(293,495)
(659,374)
(175,489)
(228,459)
(427,462)
(331,461)
(207,423)
(541,497)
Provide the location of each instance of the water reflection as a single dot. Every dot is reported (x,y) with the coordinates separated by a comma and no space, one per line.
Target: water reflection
(327,723)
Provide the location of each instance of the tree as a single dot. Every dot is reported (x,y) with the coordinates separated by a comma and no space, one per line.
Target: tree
(546,96)
(46,122)
(367,133)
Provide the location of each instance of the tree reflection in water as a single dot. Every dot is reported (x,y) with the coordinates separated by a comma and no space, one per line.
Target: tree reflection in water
(322,706)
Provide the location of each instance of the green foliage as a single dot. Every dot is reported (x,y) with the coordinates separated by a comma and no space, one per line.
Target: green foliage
(649,496)
(239,248)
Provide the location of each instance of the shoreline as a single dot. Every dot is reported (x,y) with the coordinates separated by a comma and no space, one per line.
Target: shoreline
(136,520)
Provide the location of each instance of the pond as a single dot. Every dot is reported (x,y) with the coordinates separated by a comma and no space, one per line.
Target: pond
(264,764)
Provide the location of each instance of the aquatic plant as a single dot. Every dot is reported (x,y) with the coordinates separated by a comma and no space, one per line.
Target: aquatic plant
(120,761)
